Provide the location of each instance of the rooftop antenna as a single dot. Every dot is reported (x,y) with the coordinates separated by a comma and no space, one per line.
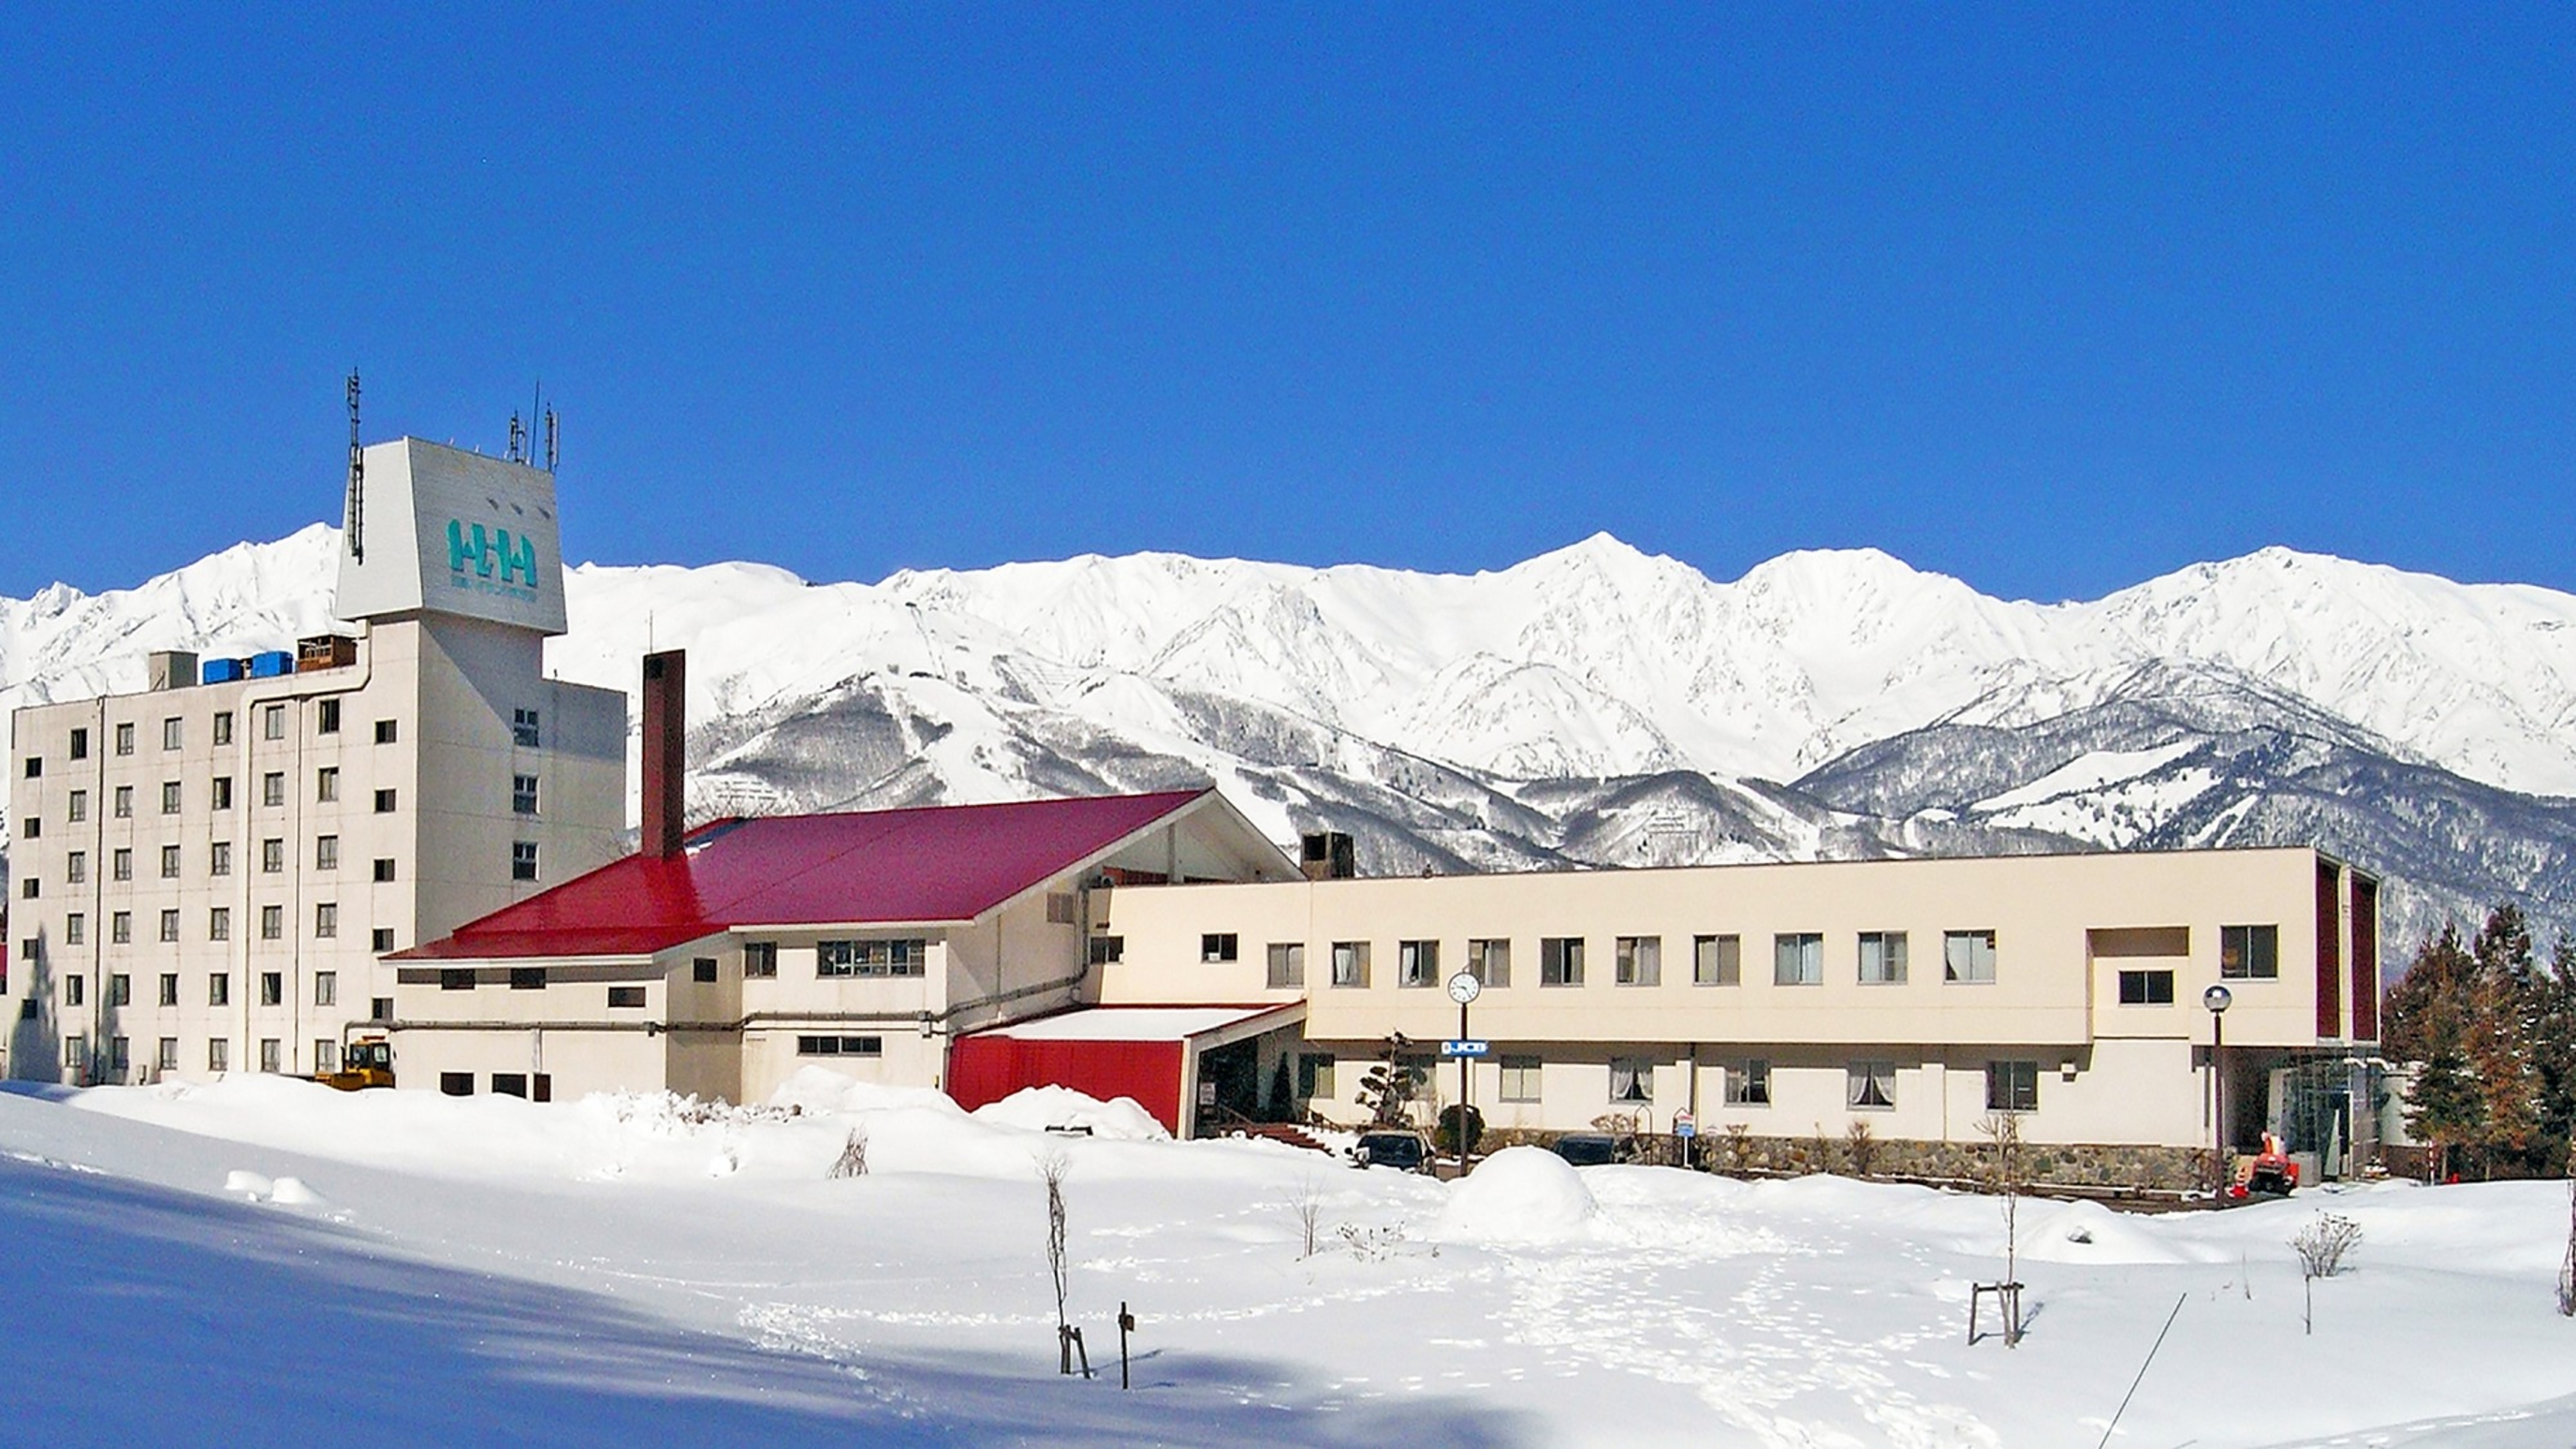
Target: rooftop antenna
(552,452)
(518,439)
(354,523)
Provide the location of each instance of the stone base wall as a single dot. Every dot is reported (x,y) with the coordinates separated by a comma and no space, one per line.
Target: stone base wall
(2084,1166)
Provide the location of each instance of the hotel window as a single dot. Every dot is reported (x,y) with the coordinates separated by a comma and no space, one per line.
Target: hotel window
(1560,961)
(32,828)
(759,959)
(326,784)
(270,1056)
(272,789)
(1639,961)
(1314,1075)
(170,925)
(702,969)
(121,804)
(2146,988)
(384,802)
(124,739)
(326,921)
(456,1084)
(76,1053)
(30,888)
(2012,1086)
(120,928)
(219,1055)
(169,862)
(219,989)
(76,930)
(35,767)
(219,857)
(220,794)
(1798,959)
(871,958)
(219,923)
(1717,960)
(1287,969)
(1417,963)
(272,988)
(1216,949)
(326,1056)
(1350,963)
(1968,956)
(840,1046)
(1108,950)
(384,870)
(76,809)
(76,867)
(523,728)
(272,857)
(80,745)
(461,978)
(380,940)
(170,801)
(1632,1079)
(386,732)
(75,990)
(167,1058)
(326,988)
(224,728)
(2249,952)
(527,978)
(326,852)
(1749,1085)
(326,717)
(170,734)
(169,988)
(1882,958)
(1491,961)
(1870,1084)
(116,1056)
(523,794)
(626,997)
(523,860)
(1520,1079)
(272,721)
(120,864)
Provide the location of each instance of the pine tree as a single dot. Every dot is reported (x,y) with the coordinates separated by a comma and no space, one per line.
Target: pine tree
(2427,1024)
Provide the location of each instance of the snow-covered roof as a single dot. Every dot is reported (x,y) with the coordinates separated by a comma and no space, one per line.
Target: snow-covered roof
(1137,1023)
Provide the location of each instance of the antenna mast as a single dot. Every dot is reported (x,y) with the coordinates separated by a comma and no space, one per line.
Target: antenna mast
(518,439)
(552,453)
(354,523)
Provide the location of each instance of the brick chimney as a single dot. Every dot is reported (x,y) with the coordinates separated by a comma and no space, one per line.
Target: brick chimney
(666,731)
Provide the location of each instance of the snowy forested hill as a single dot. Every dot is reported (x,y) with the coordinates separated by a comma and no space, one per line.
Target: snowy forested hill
(1595,705)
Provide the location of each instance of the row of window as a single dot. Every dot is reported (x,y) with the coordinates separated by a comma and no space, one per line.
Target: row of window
(1881,958)
(272,795)
(272,726)
(524,862)
(117,1055)
(2011,1086)
(533,978)
(219,927)
(219,989)
(534,1086)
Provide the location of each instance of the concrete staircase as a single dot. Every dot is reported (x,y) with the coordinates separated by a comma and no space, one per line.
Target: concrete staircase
(1287,1132)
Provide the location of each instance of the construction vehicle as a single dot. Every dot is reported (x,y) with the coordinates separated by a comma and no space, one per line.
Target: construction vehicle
(2269,1173)
(366,1062)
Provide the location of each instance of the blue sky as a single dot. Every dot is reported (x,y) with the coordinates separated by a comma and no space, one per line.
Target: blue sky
(2049,300)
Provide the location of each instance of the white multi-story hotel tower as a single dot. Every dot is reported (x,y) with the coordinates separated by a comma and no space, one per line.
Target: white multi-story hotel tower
(205,875)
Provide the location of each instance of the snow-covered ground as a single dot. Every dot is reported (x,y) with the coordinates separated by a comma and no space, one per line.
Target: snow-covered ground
(264,1261)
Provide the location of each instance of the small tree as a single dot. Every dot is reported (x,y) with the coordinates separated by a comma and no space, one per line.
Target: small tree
(853,1161)
(1390,1086)
(1860,1147)
(1307,1206)
(1051,1171)
(2567,1264)
(2004,1173)
(2322,1246)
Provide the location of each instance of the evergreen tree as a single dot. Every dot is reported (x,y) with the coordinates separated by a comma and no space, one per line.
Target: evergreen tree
(2427,1024)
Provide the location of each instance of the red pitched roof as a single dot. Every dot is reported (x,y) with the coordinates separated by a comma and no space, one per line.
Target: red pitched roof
(938,863)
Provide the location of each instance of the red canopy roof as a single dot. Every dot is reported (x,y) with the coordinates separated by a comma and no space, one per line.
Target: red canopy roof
(938,863)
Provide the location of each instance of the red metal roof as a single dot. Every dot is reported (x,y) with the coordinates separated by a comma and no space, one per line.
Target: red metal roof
(936,863)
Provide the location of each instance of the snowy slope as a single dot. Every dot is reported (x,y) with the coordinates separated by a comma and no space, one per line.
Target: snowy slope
(628,1271)
(1595,704)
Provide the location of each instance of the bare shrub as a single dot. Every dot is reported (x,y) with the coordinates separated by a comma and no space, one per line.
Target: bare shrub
(2323,1244)
(1860,1147)
(1308,1208)
(853,1161)
(2567,1265)
(1051,1171)
(2006,1174)
(1739,1146)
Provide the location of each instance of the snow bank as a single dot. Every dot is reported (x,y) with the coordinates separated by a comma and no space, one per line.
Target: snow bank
(1041,1109)
(1518,1195)
(820,1089)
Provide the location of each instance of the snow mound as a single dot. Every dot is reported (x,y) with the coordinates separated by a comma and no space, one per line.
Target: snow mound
(255,1184)
(1041,1109)
(2088,1232)
(820,1089)
(291,1192)
(1518,1195)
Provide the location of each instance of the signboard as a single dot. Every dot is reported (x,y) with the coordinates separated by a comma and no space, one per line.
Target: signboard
(1684,1125)
(1466,1048)
(447,531)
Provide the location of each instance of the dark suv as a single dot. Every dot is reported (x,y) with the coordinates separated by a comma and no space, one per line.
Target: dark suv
(1401,1148)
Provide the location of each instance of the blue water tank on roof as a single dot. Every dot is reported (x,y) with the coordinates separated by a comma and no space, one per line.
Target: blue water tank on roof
(222,671)
(270,663)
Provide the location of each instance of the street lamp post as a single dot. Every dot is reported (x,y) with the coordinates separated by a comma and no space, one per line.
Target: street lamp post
(2217,999)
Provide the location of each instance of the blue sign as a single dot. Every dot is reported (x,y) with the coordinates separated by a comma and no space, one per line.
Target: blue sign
(1469,1048)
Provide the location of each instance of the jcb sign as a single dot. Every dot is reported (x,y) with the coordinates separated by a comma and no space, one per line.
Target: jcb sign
(473,555)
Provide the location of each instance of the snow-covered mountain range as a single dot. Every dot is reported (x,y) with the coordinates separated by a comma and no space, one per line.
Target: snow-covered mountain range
(1595,705)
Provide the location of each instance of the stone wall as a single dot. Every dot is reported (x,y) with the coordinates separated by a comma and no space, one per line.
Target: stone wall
(2087,1167)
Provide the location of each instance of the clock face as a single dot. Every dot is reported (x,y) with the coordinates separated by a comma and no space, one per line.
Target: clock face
(1464,987)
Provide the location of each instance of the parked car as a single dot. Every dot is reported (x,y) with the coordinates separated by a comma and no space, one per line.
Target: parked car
(1401,1148)
(1592,1149)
